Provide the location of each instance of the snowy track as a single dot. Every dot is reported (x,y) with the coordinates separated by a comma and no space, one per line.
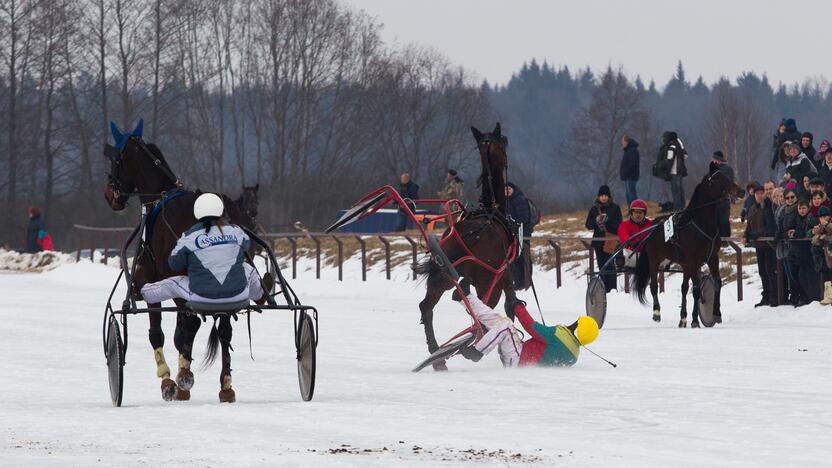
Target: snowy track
(754,391)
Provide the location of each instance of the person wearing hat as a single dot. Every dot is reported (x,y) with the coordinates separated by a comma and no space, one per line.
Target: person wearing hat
(820,157)
(756,227)
(798,164)
(789,134)
(603,219)
(821,238)
(749,199)
(723,207)
(547,346)
(212,252)
(634,225)
(825,169)
(806,146)
(454,187)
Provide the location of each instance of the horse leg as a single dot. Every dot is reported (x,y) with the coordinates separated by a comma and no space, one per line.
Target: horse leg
(511,298)
(432,296)
(697,294)
(683,320)
(713,268)
(654,289)
(227,394)
(157,342)
(186,328)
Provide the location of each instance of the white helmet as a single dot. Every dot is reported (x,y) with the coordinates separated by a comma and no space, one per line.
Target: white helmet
(208,204)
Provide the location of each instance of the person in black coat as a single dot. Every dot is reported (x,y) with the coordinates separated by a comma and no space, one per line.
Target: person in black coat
(603,219)
(518,209)
(33,231)
(800,256)
(723,207)
(789,133)
(759,217)
(629,170)
(408,190)
(807,148)
(825,169)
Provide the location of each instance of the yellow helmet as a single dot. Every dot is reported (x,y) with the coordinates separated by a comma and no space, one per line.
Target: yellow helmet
(587,330)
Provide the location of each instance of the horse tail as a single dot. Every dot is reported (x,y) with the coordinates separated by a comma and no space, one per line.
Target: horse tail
(212,347)
(642,276)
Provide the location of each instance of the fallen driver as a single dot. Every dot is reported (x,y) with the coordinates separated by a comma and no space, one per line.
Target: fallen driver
(548,346)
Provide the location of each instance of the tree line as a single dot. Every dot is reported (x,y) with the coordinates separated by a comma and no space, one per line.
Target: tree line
(305,98)
(301,97)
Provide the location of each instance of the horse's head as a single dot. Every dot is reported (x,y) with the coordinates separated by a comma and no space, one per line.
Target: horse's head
(135,167)
(248,201)
(492,147)
(717,184)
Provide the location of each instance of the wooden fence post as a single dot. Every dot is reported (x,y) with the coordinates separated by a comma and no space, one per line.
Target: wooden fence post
(386,254)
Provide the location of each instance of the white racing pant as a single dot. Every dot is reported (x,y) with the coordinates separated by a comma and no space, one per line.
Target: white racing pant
(501,333)
(630,258)
(179,287)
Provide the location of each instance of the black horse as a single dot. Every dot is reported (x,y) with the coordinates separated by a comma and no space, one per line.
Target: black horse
(696,241)
(247,203)
(139,169)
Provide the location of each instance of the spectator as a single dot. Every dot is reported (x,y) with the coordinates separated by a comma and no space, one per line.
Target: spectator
(801,256)
(635,223)
(798,164)
(821,236)
(454,187)
(816,184)
(825,169)
(804,190)
(603,219)
(674,154)
(519,210)
(784,217)
(755,229)
(723,207)
(819,201)
(773,199)
(769,186)
(749,199)
(789,134)
(409,191)
(806,146)
(630,167)
(37,238)
(820,156)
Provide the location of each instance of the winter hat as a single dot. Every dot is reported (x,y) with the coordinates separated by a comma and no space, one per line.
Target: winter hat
(719,156)
(824,142)
(824,211)
(452,172)
(791,185)
(790,122)
(604,190)
(808,135)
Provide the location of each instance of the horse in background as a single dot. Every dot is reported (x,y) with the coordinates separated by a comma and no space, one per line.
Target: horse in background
(695,242)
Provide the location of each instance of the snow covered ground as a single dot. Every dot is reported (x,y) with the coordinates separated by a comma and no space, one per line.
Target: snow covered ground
(753,391)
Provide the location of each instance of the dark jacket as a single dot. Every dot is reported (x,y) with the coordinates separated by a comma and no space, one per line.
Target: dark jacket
(825,173)
(613,213)
(802,251)
(519,210)
(809,151)
(769,224)
(749,200)
(755,225)
(670,151)
(630,161)
(409,190)
(36,224)
(798,167)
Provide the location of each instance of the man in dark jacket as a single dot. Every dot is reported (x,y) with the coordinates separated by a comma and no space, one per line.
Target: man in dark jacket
(806,146)
(671,166)
(629,167)
(518,209)
(758,219)
(408,190)
(789,133)
(603,219)
(825,169)
(723,207)
(34,231)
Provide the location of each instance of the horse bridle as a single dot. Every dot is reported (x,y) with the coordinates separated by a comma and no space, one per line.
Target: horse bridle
(116,157)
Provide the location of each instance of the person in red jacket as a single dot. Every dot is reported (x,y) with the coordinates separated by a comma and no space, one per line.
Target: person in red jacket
(634,226)
(547,346)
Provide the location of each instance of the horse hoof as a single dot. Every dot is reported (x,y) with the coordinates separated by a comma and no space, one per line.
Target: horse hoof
(168,390)
(440,366)
(718,318)
(683,323)
(694,324)
(183,395)
(185,379)
(227,395)
(657,316)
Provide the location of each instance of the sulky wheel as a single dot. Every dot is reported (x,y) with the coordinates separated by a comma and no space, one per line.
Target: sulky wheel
(115,361)
(306,343)
(707,295)
(596,300)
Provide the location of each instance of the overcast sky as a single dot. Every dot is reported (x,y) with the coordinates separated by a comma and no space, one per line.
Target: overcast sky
(712,38)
